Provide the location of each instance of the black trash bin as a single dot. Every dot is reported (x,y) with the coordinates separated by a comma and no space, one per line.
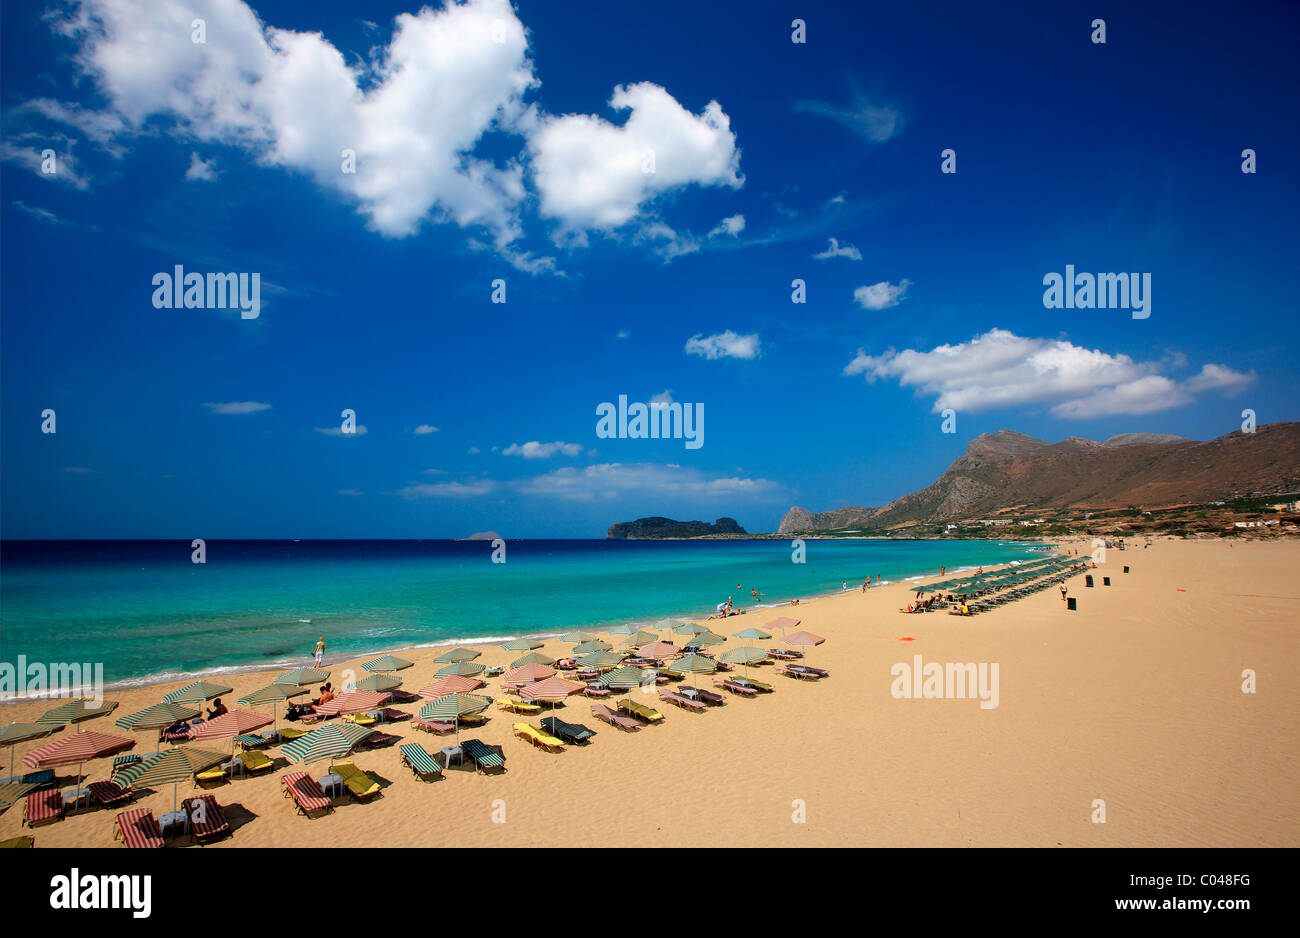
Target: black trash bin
(1087,580)
(1071,604)
(1105,581)
(1126,569)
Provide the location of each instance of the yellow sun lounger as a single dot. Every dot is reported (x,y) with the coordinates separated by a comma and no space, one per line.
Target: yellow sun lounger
(361,719)
(538,737)
(359,783)
(255,761)
(518,706)
(640,711)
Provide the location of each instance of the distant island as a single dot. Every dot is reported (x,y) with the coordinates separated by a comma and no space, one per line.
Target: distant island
(482,536)
(666,528)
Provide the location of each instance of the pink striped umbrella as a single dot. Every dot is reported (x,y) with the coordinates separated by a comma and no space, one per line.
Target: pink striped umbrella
(230,724)
(803,638)
(658,650)
(451,684)
(357,701)
(552,689)
(75,750)
(527,673)
(783,622)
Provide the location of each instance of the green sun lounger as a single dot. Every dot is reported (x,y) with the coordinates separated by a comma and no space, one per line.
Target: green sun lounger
(482,757)
(417,758)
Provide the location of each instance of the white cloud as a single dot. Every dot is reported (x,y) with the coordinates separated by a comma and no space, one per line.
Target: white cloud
(610,480)
(724,345)
(1000,369)
(732,225)
(237,407)
(40,214)
(448,489)
(664,397)
(623,334)
(424,429)
(201,170)
(473,451)
(881,295)
(435,472)
(359,430)
(595,175)
(350,492)
(835,249)
(666,242)
(536,450)
(874,122)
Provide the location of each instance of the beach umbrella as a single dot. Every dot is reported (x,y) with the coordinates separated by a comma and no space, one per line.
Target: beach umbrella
(622,630)
(157,717)
(532,657)
(301,677)
(325,742)
(16,733)
(553,689)
(783,622)
(171,767)
(272,694)
(641,638)
(690,628)
(751,632)
(453,707)
(379,682)
(520,644)
(387,663)
(76,711)
(574,638)
(457,654)
(708,639)
(624,678)
(76,749)
(357,701)
(229,725)
(695,664)
(591,646)
(527,673)
(199,692)
(460,668)
(451,684)
(600,661)
(658,650)
(745,655)
(806,639)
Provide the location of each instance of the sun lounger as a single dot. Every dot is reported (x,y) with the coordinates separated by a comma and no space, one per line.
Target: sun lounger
(41,779)
(801,675)
(760,686)
(20,842)
(361,785)
(42,807)
(418,760)
(640,711)
(255,762)
(109,794)
(601,712)
(473,719)
(378,741)
(403,696)
(123,762)
(569,732)
(538,738)
(734,688)
(306,793)
(393,715)
(518,706)
(596,691)
(254,741)
(684,702)
(215,774)
(709,697)
(207,820)
(290,733)
(433,726)
(361,719)
(483,757)
(137,828)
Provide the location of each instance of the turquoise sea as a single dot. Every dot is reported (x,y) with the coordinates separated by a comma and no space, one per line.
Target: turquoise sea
(148,613)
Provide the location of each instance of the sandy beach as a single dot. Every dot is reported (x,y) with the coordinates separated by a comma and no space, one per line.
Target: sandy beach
(1135,698)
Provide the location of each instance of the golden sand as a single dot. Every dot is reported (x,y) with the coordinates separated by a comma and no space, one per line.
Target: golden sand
(1135,699)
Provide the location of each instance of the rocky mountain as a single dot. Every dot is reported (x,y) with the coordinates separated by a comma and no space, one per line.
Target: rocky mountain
(797,519)
(659,528)
(1007,469)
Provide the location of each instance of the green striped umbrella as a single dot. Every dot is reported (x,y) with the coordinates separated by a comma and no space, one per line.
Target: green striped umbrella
(592,646)
(624,678)
(622,630)
(272,694)
(379,682)
(76,711)
(695,664)
(690,628)
(198,692)
(16,733)
(326,742)
(301,677)
(521,644)
(751,632)
(157,717)
(453,707)
(746,655)
(600,661)
(642,638)
(461,669)
(707,639)
(171,767)
(387,663)
(457,654)
(575,638)
(532,658)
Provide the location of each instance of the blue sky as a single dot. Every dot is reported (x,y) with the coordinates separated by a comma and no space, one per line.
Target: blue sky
(487,148)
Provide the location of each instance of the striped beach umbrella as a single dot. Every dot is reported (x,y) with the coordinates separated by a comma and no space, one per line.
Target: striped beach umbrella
(744,655)
(76,749)
(379,682)
(199,692)
(627,629)
(527,673)
(325,742)
(695,664)
(751,632)
(229,725)
(461,669)
(521,644)
(690,628)
(157,717)
(272,694)
(169,768)
(574,638)
(600,661)
(707,639)
(453,707)
(76,711)
(451,684)
(457,654)
(781,622)
(301,677)
(16,733)
(658,650)
(357,701)
(641,637)
(591,646)
(624,678)
(387,664)
(553,689)
(532,657)
(803,638)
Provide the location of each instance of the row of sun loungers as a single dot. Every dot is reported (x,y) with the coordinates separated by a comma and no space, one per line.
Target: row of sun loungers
(138,828)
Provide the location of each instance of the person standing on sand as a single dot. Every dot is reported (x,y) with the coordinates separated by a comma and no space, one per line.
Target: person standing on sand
(844,586)
(941,569)
(1063,591)
(865,584)
(320,650)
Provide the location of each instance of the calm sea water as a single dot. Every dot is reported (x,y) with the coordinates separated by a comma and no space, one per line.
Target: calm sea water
(148,613)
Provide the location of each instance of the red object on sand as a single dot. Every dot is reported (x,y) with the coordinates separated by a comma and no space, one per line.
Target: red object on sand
(907,638)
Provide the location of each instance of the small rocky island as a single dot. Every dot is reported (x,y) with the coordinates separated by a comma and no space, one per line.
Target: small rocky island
(665,528)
